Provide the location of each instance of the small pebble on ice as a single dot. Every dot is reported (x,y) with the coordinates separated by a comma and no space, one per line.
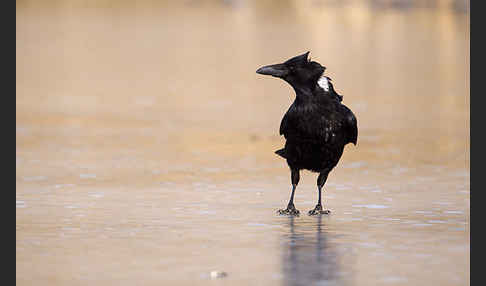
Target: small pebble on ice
(218,274)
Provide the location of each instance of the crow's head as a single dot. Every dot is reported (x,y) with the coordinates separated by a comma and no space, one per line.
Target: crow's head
(299,71)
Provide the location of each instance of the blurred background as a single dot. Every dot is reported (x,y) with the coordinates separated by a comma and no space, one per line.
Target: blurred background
(145,140)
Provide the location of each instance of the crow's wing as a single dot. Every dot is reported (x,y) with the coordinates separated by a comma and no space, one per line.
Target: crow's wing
(330,125)
(351,124)
(337,125)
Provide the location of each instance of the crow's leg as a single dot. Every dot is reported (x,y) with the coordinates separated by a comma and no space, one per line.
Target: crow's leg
(291,210)
(321,180)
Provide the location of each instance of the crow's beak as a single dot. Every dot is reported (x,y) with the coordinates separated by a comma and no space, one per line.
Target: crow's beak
(278,70)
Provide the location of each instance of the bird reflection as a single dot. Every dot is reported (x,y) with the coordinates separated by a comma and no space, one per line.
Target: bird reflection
(308,258)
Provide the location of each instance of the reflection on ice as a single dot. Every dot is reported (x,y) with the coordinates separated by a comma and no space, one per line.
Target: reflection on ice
(308,257)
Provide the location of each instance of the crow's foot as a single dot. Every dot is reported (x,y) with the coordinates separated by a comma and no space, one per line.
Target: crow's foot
(290,211)
(318,210)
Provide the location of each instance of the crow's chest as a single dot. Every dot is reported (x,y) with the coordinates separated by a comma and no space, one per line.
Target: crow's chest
(314,123)
(307,120)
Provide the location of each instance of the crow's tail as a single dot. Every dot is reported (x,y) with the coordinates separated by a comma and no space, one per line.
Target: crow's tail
(281,152)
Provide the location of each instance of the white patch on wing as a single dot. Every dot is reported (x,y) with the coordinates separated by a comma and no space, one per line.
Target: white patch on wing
(324,83)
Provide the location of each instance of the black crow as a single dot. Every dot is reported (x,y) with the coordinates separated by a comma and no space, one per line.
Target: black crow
(317,125)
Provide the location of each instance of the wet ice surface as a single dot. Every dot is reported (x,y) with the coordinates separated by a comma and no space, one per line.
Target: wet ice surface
(128,177)
(182,230)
